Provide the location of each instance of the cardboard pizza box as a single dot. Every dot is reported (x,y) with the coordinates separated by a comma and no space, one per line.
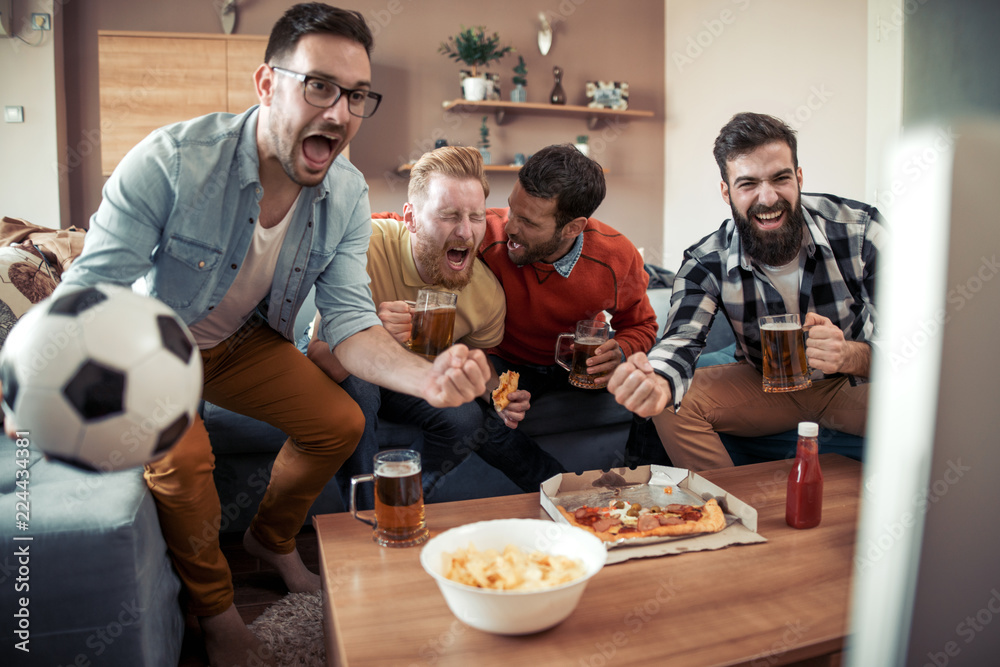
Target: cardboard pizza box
(595,487)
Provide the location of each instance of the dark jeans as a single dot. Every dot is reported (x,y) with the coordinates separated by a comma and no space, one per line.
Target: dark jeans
(450,435)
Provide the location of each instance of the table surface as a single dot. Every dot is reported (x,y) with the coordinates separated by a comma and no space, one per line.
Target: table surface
(772,603)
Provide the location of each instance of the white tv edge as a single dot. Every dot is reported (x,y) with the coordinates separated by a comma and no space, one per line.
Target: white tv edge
(926,587)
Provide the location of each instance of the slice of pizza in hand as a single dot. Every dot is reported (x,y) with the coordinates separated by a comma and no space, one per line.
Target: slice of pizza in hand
(623,520)
(508,383)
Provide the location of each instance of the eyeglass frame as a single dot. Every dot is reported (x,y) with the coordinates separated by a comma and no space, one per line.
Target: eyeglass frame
(304,80)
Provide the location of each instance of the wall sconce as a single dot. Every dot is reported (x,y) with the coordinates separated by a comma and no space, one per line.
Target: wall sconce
(544,35)
(227,13)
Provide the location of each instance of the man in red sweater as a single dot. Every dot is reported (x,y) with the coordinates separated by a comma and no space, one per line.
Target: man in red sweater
(558,265)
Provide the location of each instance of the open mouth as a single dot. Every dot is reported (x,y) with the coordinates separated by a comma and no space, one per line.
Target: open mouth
(767,220)
(457,258)
(319,149)
(512,244)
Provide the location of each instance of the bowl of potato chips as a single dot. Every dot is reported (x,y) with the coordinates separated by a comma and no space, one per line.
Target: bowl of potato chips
(513,576)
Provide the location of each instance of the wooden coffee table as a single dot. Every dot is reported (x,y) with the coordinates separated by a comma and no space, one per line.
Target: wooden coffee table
(775,603)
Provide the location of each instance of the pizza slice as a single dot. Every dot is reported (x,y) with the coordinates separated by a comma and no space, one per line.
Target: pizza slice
(623,520)
(508,383)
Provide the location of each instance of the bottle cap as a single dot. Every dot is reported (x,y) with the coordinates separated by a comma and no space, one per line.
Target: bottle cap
(809,429)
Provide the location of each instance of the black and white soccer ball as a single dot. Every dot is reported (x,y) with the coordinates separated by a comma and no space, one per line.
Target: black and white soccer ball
(101,377)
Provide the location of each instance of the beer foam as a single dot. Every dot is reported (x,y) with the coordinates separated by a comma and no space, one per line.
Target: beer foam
(781,326)
(397,469)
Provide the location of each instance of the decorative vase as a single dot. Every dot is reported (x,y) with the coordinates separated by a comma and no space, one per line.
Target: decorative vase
(474,88)
(485,152)
(519,94)
(558,95)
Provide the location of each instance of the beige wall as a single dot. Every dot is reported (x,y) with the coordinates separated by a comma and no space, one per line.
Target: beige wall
(29,72)
(590,43)
(802,61)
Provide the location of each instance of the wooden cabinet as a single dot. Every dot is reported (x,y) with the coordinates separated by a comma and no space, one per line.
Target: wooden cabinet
(148,80)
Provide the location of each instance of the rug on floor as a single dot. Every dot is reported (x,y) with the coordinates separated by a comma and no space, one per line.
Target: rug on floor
(293,629)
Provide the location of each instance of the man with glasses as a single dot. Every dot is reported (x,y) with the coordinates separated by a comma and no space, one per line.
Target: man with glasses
(230,220)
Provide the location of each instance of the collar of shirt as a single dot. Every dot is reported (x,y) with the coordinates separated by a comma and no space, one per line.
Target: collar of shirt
(739,258)
(248,160)
(565,264)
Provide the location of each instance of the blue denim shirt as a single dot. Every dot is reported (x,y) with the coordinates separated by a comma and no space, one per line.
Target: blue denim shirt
(178,214)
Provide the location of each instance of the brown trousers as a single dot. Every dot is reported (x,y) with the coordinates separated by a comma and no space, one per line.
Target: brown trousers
(257,373)
(729,399)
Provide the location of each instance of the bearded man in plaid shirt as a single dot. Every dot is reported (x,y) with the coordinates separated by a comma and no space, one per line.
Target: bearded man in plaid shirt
(782,252)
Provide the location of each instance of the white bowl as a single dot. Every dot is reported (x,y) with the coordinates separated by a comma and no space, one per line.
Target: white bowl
(515,612)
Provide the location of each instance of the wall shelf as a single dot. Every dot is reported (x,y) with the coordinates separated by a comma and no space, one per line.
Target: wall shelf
(501,109)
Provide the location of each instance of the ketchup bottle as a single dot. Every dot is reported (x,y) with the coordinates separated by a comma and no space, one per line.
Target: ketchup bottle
(804,503)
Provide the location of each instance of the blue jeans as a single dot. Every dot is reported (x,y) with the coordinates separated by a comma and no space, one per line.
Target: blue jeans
(450,435)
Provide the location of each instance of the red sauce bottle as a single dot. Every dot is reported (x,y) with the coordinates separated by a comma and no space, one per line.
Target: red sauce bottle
(804,504)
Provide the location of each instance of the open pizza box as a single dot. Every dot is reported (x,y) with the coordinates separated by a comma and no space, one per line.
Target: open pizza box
(672,485)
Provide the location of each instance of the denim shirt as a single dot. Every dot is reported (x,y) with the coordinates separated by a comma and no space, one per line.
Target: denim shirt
(178,214)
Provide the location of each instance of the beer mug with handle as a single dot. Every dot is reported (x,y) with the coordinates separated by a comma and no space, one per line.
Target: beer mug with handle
(589,335)
(783,345)
(399,499)
(433,322)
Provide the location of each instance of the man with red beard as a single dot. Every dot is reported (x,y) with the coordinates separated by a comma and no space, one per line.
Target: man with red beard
(782,252)
(433,246)
(230,219)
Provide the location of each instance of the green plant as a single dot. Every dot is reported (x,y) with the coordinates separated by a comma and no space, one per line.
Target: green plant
(520,72)
(582,139)
(474,47)
(484,134)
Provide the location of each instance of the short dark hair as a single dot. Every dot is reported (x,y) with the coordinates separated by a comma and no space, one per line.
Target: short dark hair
(316,17)
(563,173)
(746,132)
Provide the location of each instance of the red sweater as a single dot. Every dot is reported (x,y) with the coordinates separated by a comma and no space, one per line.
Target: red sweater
(541,304)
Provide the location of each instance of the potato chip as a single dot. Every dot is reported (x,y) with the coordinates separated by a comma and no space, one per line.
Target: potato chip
(512,570)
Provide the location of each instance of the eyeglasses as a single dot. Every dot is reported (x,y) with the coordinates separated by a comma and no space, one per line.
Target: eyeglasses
(324,93)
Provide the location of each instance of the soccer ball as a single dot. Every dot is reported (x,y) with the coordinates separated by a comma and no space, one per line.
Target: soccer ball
(101,377)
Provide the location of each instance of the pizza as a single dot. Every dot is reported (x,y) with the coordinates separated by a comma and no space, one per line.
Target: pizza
(624,520)
(508,383)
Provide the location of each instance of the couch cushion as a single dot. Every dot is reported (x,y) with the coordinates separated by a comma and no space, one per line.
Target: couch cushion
(25,279)
(101,583)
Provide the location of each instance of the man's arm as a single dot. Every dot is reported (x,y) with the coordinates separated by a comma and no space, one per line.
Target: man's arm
(457,376)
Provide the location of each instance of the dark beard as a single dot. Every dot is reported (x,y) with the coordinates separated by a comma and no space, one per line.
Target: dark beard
(431,259)
(538,253)
(777,247)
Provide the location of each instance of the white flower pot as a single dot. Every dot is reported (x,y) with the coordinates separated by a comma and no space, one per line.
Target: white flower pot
(485,152)
(474,88)
(519,94)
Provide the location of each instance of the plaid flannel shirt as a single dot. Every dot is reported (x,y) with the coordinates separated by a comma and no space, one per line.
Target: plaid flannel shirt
(837,282)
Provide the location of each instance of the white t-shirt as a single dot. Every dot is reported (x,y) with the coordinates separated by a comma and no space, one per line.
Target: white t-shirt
(786,280)
(252,283)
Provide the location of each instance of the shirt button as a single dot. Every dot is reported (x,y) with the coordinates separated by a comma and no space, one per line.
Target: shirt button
(233,266)
(250,221)
(211,307)
(310,224)
(288,300)
(297,269)
(201,265)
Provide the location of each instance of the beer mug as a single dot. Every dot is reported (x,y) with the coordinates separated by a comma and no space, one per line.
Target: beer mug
(783,344)
(433,322)
(399,499)
(590,334)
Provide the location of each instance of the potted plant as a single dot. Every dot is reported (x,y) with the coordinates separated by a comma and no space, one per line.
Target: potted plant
(520,72)
(476,49)
(582,144)
(484,141)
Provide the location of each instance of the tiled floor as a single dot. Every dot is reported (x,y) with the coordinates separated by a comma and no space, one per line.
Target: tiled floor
(257,587)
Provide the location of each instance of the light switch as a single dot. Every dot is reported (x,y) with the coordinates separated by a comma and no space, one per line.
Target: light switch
(13,114)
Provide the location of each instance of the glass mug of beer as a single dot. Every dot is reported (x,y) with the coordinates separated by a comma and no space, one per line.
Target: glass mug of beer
(433,322)
(399,499)
(783,344)
(589,335)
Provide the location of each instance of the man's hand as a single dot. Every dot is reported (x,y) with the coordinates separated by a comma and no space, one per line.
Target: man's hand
(457,376)
(637,387)
(513,414)
(829,352)
(606,358)
(397,318)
